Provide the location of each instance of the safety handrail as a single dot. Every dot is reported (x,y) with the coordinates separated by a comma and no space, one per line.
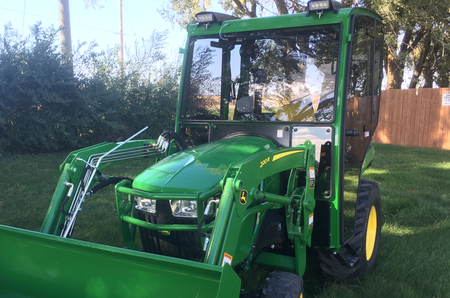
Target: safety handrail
(168,196)
(162,227)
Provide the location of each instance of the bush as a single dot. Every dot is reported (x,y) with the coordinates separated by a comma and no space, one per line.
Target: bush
(46,106)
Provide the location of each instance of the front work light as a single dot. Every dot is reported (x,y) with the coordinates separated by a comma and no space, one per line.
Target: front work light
(319,6)
(206,17)
(209,17)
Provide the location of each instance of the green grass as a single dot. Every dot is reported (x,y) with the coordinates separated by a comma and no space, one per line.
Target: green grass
(27,184)
(414,258)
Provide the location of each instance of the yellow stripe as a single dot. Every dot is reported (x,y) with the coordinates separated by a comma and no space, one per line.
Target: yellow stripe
(281,155)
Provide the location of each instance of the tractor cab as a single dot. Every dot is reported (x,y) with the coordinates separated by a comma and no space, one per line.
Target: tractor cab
(290,79)
(279,84)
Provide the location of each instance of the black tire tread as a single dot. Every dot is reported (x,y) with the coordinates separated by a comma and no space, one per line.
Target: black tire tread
(283,285)
(330,265)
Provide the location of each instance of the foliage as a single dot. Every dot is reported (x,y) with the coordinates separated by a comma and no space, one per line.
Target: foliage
(416,31)
(183,11)
(92,4)
(45,107)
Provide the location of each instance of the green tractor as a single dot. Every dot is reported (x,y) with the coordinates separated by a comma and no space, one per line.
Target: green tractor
(272,134)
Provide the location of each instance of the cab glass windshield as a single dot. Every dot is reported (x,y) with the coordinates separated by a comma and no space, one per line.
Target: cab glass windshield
(272,75)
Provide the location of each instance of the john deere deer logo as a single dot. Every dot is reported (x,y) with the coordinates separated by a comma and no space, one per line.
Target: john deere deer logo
(243,197)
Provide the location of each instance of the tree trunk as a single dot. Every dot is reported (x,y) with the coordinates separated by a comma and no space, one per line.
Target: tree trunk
(443,71)
(444,81)
(394,71)
(244,9)
(281,7)
(64,23)
(297,7)
(395,63)
(428,74)
(419,65)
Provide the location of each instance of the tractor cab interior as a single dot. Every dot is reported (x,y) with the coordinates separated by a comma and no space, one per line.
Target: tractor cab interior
(279,84)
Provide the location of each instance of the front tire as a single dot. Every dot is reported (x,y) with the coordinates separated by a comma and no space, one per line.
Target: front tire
(283,285)
(365,241)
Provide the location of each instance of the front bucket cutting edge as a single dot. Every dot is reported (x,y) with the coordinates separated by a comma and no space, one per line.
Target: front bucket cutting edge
(40,265)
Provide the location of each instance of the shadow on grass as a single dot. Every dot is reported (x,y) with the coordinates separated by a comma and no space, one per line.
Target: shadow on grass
(412,263)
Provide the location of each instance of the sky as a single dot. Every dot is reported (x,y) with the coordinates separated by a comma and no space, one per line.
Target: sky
(140,18)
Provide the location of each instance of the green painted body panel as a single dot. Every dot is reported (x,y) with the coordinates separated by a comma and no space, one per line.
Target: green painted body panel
(39,265)
(201,168)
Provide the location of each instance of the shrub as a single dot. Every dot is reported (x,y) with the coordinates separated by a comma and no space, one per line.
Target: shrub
(47,106)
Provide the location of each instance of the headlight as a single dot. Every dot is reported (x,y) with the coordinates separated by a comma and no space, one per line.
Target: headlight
(145,205)
(182,208)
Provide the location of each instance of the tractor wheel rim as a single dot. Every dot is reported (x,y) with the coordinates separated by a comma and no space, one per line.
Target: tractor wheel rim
(371,232)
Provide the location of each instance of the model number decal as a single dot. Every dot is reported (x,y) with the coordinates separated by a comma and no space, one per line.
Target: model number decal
(263,163)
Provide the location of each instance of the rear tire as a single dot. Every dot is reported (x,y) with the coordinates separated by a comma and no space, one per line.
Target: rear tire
(365,240)
(283,285)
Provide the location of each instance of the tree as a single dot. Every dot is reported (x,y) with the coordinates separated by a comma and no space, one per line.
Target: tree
(410,36)
(416,32)
(92,4)
(47,107)
(65,32)
(183,12)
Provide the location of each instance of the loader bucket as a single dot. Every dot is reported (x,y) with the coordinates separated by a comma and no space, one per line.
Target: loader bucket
(40,265)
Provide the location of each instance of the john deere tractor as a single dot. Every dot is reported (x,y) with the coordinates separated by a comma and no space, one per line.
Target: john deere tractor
(272,134)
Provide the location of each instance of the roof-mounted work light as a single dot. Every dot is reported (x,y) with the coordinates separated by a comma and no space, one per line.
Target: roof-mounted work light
(209,17)
(319,6)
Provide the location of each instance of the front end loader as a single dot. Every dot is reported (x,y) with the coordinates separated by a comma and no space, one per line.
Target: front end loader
(273,129)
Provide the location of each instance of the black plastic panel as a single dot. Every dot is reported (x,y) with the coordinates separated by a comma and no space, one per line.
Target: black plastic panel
(321,231)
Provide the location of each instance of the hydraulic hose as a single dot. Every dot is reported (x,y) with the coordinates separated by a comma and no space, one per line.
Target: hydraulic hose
(67,198)
(200,224)
(103,184)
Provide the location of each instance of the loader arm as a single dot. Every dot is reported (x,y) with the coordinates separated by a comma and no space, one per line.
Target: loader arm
(79,174)
(241,201)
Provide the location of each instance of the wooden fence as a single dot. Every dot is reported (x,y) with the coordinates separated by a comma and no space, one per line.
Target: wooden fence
(414,118)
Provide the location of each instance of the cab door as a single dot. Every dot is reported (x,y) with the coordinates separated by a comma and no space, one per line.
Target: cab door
(362,106)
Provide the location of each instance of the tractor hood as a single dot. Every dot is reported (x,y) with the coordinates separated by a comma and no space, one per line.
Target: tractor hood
(201,168)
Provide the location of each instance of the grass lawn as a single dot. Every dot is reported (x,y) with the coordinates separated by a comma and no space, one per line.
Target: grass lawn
(414,258)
